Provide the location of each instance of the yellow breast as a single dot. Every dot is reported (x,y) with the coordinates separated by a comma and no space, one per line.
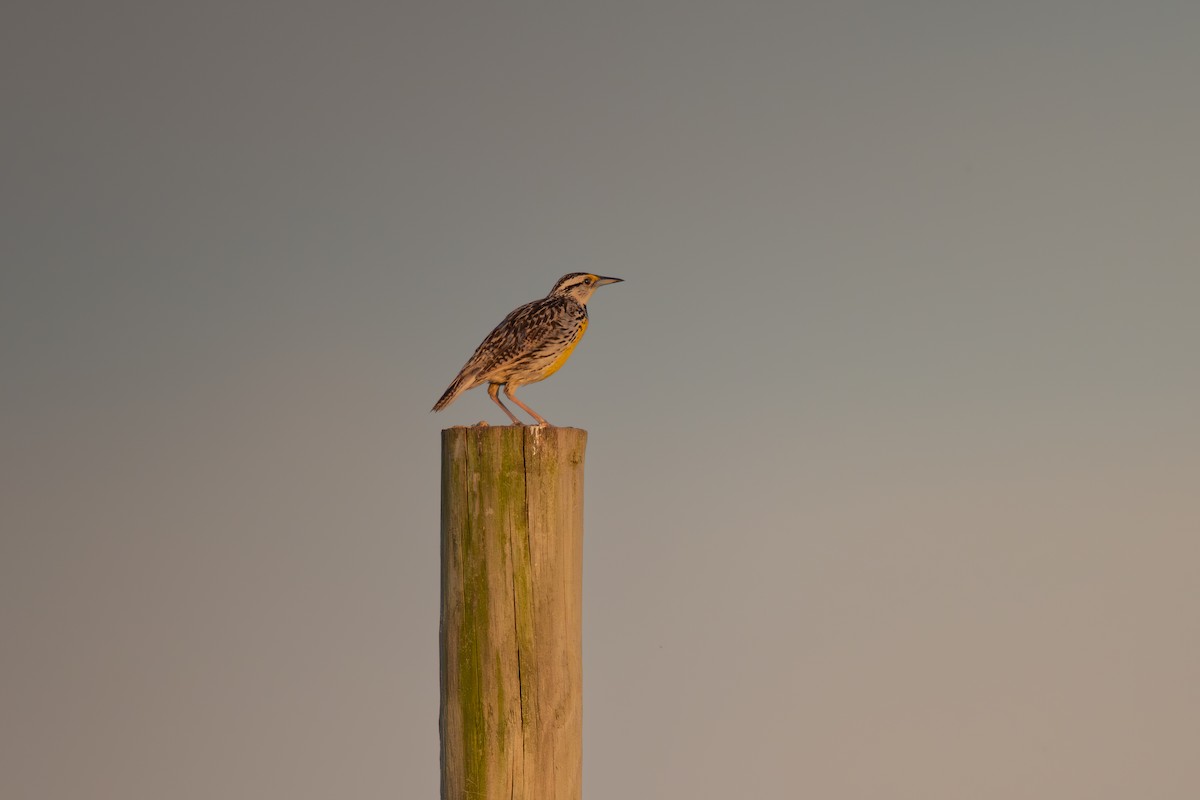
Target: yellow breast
(557,363)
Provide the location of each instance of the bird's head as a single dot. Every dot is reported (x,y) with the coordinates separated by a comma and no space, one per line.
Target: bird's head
(580,285)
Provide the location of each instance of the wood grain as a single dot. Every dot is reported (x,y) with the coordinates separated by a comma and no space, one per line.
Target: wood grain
(511,618)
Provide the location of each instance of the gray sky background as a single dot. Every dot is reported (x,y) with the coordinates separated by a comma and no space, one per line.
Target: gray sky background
(892,475)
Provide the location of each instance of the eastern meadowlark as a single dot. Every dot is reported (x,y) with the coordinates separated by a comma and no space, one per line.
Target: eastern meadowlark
(530,344)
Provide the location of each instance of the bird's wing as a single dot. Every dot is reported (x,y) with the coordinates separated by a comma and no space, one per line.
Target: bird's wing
(517,334)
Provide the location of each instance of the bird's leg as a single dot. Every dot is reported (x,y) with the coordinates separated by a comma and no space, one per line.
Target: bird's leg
(494,393)
(508,392)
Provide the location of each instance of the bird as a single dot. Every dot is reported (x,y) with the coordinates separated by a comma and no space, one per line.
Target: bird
(530,344)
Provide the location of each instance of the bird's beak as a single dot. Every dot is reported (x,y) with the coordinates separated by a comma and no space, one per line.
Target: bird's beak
(601,281)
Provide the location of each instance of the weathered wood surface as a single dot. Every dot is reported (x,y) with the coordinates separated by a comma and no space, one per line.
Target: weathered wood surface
(511,621)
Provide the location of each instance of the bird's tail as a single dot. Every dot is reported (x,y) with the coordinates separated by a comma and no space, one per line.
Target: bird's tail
(463,382)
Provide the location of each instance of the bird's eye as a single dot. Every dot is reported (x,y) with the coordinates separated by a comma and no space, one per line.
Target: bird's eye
(588,281)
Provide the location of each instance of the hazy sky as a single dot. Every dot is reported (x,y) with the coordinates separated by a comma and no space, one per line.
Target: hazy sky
(893,482)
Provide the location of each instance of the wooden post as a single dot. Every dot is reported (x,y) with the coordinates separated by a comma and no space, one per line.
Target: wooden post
(511,627)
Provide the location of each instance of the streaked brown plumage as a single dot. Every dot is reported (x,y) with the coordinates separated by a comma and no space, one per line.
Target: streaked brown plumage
(530,344)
